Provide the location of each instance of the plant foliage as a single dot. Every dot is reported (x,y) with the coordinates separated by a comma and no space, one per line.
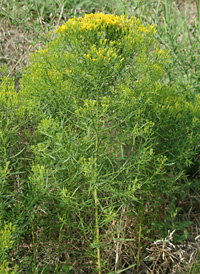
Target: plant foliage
(98,140)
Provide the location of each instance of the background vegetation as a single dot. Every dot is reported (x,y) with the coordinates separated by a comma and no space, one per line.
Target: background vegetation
(53,212)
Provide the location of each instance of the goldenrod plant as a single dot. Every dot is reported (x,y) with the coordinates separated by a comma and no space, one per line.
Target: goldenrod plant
(6,241)
(104,141)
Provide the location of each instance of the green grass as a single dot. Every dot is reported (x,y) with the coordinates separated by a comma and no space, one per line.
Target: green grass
(24,28)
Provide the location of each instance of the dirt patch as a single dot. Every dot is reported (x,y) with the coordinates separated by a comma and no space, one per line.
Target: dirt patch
(16,44)
(188,9)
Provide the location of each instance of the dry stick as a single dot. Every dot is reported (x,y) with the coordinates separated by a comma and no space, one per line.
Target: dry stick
(117,253)
(156,262)
(197,3)
(40,19)
(61,13)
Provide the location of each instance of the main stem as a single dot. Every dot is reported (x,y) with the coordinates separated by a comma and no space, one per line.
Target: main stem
(96,208)
(97,231)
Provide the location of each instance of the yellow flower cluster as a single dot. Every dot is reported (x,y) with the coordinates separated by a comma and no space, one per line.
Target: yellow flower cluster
(54,72)
(103,54)
(101,21)
(43,52)
(144,29)
(151,27)
(68,71)
(97,54)
(56,75)
(95,21)
(159,51)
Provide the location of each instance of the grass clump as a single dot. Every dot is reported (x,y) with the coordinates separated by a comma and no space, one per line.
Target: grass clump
(107,142)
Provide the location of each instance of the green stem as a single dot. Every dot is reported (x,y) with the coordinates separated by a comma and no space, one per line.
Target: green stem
(138,254)
(96,208)
(97,231)
(34,247)
(59,242)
